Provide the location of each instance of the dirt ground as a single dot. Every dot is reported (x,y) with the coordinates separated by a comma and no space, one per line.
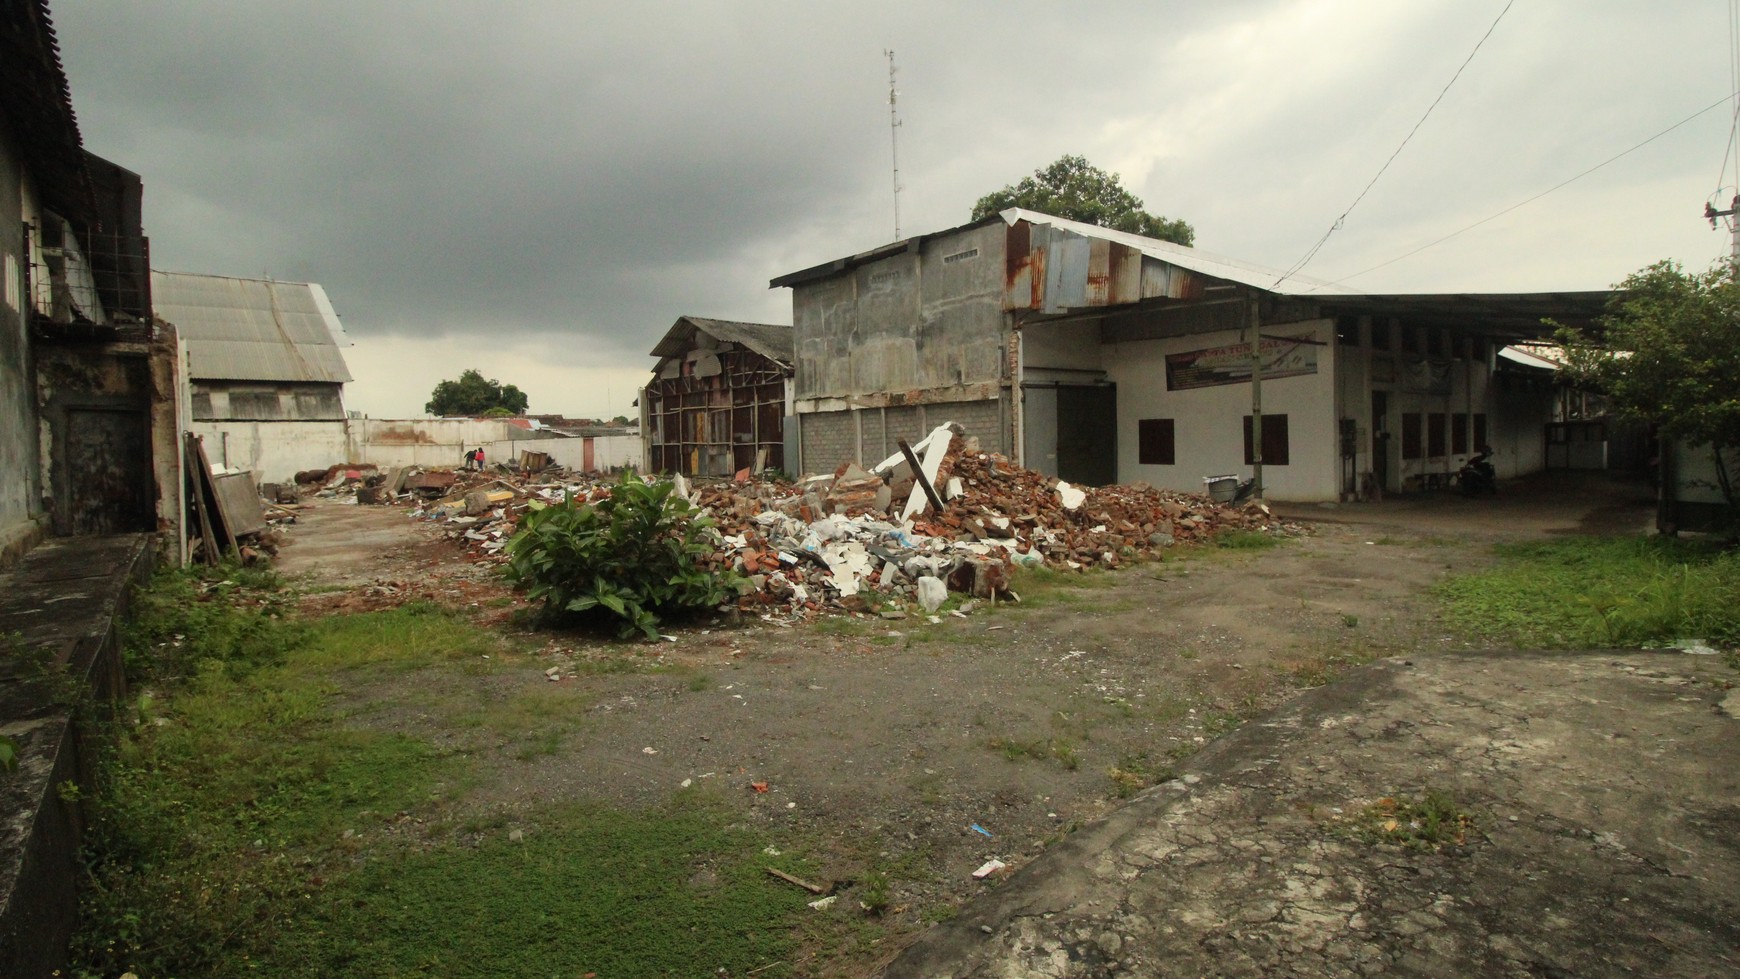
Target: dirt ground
(920,751)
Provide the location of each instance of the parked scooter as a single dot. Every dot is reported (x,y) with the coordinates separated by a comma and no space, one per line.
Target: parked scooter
(1477,475)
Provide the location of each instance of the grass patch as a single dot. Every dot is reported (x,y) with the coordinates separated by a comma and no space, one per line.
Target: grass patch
(1245,540)
(674,891)
(1042,586)
(1600,591)
(1433,821)
(1039,749)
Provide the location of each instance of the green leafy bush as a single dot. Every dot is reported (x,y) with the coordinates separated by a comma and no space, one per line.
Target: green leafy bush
(636,555)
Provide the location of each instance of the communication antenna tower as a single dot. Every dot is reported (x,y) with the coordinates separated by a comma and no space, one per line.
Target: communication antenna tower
(894,137)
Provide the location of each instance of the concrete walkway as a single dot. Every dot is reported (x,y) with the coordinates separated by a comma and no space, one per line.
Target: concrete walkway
(1606,837)
(60,609)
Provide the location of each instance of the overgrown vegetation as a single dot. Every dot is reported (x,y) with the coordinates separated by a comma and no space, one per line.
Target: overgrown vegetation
(1600,591)
(635,555)
(257,820)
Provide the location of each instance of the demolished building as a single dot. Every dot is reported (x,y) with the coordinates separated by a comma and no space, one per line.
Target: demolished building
(718,399)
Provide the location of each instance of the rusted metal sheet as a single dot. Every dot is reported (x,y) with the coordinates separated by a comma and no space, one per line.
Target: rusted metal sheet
(1055,265)
(1124,271)
(1161,280)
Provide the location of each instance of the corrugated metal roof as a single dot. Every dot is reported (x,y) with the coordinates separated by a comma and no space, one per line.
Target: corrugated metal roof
(252,329)
(767,339)
(1185,257)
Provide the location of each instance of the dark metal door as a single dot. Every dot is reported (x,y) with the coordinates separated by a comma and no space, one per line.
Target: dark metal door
(1087,434)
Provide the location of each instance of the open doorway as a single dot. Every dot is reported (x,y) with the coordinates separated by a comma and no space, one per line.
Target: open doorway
(1380,439)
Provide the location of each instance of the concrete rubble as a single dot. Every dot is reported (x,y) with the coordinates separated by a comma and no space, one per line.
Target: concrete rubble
(857,540)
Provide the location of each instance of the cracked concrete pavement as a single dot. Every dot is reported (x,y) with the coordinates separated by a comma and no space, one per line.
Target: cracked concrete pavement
(1606,837)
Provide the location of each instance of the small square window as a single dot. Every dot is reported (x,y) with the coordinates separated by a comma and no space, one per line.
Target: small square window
(1155,442)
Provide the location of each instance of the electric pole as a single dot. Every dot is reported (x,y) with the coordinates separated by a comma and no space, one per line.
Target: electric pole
(1256,398)
(1711,214)
(894,138)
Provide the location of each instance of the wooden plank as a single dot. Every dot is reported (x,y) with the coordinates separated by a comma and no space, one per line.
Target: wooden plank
(193,461)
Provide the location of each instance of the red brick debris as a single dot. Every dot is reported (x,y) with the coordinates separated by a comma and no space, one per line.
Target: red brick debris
(835,541)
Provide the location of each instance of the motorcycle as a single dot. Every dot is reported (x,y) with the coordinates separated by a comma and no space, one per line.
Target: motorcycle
(1477,476)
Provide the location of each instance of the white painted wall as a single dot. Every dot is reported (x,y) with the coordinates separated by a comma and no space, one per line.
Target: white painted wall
(1209,422)
(274,451)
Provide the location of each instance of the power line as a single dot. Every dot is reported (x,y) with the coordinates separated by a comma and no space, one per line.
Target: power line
(1336,226)
(1543,193)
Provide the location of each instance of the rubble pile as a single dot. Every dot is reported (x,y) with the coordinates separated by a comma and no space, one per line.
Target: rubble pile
(855,539)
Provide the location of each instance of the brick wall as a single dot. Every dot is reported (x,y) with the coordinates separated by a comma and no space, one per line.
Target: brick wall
(826,439)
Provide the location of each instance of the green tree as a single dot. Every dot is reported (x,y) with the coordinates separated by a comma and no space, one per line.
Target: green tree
(1667,351)
(474,394)
(1075,189)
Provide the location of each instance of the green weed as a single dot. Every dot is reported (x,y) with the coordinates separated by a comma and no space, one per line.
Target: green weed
(1434,820)
(1135,772)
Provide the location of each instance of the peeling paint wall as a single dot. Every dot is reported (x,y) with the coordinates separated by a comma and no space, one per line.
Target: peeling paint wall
(20,466)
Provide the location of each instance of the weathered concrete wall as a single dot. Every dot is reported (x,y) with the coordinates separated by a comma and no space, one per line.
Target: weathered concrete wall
(1208,422)
(21,513)
(923,320)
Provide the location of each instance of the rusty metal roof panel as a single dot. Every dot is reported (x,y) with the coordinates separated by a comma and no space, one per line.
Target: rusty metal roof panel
(1190,260)
(253,329)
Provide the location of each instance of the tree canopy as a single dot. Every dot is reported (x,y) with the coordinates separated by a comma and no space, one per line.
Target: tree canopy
(1076,189)
(1667,351)
(473,394)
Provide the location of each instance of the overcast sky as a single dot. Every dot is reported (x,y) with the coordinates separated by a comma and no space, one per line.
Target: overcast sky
(538,189)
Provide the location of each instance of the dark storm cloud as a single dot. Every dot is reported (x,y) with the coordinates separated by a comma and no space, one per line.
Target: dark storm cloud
(587,172)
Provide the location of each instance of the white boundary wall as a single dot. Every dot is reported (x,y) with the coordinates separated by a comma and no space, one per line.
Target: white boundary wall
(275,451)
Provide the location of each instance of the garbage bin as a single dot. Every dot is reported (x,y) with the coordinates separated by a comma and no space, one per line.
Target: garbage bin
(1221,489)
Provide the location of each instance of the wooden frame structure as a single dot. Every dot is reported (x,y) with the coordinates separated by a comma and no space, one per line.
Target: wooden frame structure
(719,398)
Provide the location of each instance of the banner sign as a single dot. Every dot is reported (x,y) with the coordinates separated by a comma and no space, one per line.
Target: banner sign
(1284,355)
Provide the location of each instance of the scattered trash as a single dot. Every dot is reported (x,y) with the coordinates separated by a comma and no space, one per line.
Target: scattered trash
(823,904)
(758,786)
(988,868)
(981,830)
